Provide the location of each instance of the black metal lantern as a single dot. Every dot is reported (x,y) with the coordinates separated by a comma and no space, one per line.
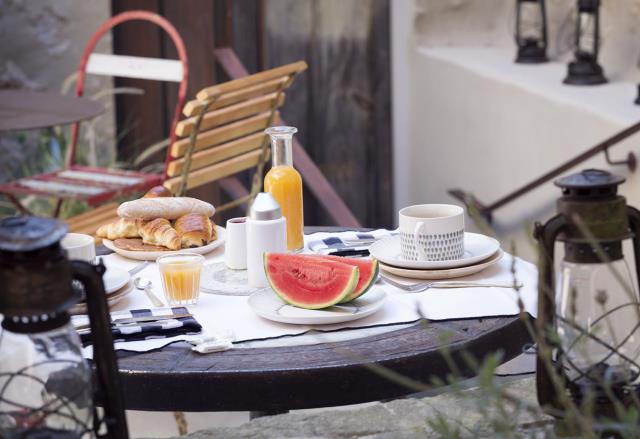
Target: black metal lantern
(531,31)
(584,69)
(589,311)
(46,386)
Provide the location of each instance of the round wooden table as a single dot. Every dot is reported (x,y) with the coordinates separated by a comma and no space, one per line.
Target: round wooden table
(284,378)
(25,109)
(294,377)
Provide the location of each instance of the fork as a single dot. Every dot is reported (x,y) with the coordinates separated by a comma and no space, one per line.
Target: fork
(423,286)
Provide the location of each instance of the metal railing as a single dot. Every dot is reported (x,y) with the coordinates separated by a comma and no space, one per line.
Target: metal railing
(486,210)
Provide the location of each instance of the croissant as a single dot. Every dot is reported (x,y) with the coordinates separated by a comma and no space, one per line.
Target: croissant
(160,232)
(194,229)
(123,228)
(158,191)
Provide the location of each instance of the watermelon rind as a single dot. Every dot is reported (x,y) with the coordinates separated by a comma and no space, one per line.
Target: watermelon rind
(357,292)
(348,288)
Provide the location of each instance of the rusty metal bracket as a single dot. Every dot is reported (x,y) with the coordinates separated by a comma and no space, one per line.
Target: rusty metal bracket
(631,161)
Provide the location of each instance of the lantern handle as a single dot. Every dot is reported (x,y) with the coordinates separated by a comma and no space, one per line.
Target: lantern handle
(103,354)
(546,236)
(634,225)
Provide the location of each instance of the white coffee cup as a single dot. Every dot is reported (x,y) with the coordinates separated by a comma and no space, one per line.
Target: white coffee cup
(79,247)
(235,247)
(431,232)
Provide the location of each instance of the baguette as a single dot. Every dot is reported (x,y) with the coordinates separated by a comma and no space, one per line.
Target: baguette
(161,207)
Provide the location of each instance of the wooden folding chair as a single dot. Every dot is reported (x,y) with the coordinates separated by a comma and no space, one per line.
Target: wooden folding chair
(89,222)
(223,133)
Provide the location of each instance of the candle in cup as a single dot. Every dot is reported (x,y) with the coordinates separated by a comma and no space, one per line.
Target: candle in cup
(181,277)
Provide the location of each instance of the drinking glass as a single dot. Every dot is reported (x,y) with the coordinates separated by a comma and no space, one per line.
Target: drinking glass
(181,277)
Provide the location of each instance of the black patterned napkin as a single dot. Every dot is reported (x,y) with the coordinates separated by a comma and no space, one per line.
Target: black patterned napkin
(144,330)
(347,243)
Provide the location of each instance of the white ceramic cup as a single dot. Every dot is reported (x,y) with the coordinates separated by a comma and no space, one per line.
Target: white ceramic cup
(431,232)
(79,247)
(235,247)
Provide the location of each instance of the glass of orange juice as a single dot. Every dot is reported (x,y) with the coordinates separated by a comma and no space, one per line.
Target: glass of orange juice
(181,277)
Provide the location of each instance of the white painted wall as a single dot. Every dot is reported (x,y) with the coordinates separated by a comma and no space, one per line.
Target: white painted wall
(466,116)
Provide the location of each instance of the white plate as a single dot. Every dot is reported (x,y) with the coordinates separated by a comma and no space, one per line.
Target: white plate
(267,304)
(477,247)
(445,273)
(115,278)
(152,256)
(112,299)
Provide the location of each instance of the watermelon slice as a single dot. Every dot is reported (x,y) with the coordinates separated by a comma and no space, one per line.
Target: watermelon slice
(368,274)
(308,281)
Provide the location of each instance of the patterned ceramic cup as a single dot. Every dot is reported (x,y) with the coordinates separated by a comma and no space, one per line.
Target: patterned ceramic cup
(432,232)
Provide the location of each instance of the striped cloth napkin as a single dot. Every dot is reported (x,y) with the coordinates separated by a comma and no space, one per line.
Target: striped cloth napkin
(348,243)
(147,330)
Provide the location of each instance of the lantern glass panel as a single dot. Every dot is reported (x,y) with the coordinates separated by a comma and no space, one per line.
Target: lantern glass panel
(586,37)
(45,385)
(531,22)
(598,316)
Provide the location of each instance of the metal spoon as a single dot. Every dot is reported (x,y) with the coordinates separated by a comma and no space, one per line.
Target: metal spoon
(146,286)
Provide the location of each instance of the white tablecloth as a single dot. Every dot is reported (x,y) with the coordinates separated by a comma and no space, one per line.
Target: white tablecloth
(219,313)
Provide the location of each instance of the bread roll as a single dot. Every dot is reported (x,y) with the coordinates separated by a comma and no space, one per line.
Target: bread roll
(158,192)
(123,228)
(194,229)
(160,232)
(169,208)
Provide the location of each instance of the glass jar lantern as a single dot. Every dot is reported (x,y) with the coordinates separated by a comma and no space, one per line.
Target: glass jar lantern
(531,31)
(584,69)
(588,305)
(46,388)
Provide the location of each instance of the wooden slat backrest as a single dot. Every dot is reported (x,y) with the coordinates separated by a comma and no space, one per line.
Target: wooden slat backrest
(216,136)
(194,107)
(223,132)
(217,171)
(229,114)
(224,151)
(218,90)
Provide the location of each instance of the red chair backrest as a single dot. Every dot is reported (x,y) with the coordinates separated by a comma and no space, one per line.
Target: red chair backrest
(134,67)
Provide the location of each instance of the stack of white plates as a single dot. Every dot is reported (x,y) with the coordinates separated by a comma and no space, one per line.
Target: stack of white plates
(480,252)
(117,284)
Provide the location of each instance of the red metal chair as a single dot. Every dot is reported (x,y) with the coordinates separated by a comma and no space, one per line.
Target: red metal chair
(98,185)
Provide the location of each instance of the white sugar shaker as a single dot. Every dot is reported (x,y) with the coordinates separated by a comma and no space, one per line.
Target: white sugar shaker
(266,232)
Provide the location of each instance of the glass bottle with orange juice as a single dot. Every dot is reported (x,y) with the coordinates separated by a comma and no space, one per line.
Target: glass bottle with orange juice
(284,183)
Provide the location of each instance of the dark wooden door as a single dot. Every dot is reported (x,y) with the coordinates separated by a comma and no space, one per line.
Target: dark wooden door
(341,104)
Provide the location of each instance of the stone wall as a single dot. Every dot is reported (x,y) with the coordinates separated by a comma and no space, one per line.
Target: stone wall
(463,414)
(41,46)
